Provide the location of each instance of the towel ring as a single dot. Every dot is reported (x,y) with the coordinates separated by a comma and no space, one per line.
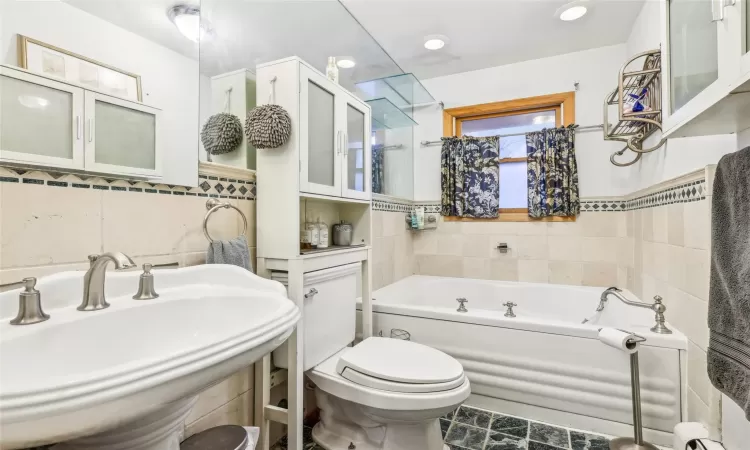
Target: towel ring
(213,205)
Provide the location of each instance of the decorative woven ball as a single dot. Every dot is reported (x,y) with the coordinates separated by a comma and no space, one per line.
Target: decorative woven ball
(222,133)
(268,126)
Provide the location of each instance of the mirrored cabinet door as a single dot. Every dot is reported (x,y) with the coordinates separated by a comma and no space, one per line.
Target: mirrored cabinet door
(41,121)
(693,50)
(121,136)
(356,154)
(321,139)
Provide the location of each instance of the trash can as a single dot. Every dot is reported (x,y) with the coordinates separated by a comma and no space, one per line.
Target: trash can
(225,437)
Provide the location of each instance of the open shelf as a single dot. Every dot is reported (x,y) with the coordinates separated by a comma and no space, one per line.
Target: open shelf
(403,90)
(386,115)
(333,248)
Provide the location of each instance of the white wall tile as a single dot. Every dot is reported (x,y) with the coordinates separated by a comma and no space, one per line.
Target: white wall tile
(599,224)
(477,246)
(43,225)
(660,224)
(439,265)
(599,274)
(698,225)
(532,247)
(564,248)
(600,249)
(239,411)
(504,269)
(697,272)
(565,272)
(534,271)
(676,224)
(478,268)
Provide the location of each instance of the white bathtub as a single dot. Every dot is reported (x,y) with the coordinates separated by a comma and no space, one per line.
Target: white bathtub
(544,364)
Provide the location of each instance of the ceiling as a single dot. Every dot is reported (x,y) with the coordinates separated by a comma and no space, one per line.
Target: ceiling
(482,33)
(488,33)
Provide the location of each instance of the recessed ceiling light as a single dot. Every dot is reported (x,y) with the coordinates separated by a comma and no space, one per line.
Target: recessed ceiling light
(346,62)
(188,21)
(572,11)
(435,41)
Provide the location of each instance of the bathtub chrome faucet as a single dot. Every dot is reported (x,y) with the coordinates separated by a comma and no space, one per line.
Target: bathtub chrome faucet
(657,307)
(461,305)
(93,281)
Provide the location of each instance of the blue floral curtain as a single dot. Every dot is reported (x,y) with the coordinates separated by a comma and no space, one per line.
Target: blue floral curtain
(553,173)
(469,177)
(378,175)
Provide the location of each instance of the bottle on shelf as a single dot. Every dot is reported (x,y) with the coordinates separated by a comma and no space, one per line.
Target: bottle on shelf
(322,234)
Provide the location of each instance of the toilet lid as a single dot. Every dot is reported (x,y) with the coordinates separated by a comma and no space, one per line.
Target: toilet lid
(400,366)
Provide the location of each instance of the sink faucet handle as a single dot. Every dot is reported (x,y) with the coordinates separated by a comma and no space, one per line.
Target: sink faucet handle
(146,285)
(462,304)
(29,305)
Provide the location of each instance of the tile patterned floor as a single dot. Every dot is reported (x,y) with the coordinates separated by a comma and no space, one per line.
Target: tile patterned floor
(476,429)
(469,428)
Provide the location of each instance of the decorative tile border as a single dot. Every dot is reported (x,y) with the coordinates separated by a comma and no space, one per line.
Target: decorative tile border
(404,206)
(692,191)
(208,185)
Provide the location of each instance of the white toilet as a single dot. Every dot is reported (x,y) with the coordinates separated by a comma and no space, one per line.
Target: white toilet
(380,394)
(386,394)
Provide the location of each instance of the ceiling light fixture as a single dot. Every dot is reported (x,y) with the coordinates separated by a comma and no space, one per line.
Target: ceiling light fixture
(345,62)
(188,21)
(572,11)
(435,41)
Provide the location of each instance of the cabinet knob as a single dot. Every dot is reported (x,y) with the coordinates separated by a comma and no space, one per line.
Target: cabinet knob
(313,292)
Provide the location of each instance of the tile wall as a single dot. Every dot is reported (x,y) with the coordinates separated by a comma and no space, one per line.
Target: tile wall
(51,222)
(672,259)
(595,250)
(392,250)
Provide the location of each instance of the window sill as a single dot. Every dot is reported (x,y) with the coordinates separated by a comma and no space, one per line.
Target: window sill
(511,217)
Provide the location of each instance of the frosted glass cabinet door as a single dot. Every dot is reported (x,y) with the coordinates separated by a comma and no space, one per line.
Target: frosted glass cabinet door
(356,152)
(693,50)
(320,138)
(121,136)
(40,121)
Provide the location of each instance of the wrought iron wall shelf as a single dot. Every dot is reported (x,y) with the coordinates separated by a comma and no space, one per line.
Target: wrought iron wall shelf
(634,128)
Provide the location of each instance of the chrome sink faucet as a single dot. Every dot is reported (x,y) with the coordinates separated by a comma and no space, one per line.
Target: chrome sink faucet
(93,281)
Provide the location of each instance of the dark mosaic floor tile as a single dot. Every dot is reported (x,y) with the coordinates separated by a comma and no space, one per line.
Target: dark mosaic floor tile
(510,425)
(444,425)
(548,434)
(500,441)
(465,436)
(450,415)
(539,446)
(586,441)
(472,416)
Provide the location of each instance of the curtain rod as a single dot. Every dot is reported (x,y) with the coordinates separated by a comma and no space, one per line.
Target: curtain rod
(586,128)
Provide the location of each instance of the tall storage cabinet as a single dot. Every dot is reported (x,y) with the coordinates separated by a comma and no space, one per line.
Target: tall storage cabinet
(321,173)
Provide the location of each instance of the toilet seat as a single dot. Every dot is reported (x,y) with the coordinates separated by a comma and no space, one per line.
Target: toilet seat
(400,366)
(364,389)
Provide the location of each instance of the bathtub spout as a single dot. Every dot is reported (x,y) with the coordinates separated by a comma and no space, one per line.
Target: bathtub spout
(657,307)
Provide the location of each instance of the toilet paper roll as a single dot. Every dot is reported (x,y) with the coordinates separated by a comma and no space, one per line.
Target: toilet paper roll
(618,339)
(685,432)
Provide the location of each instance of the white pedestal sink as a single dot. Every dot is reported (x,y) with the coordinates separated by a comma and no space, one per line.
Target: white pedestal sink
(127,376)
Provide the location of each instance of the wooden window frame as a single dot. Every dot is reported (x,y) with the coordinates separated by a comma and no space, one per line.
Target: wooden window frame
(564,106)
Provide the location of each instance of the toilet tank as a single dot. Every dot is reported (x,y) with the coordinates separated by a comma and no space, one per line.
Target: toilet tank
(329,313)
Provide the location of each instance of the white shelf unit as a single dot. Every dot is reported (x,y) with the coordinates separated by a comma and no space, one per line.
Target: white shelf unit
(323,171)
(706,67)
(50,123)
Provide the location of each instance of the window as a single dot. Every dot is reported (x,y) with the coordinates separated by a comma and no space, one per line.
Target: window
(511,117)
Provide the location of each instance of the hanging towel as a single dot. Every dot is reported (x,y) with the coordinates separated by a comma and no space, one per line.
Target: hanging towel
(729,295)
(234,251)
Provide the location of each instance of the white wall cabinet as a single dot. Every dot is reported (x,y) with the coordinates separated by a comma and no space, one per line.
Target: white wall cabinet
(706,67)
(48,123)
(334,130)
